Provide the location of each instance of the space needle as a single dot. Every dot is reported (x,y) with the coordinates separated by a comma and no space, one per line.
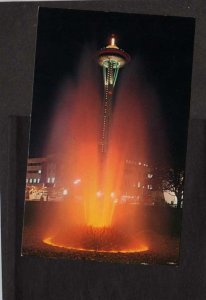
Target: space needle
(111,58)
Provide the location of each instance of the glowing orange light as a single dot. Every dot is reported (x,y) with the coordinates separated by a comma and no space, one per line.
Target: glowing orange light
(112,43)
(81,157)
(141,248)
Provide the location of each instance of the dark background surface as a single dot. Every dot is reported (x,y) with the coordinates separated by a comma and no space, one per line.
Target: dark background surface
(35,278)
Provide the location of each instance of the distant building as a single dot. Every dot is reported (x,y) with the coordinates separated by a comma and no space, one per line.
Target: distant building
(41,170)
(44,179)
(137,185)
(46,176)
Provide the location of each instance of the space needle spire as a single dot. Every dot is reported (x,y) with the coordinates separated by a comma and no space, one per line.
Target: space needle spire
(111,59)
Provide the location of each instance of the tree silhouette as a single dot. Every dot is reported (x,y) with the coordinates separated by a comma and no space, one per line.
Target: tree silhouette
(174,182)
(170,180)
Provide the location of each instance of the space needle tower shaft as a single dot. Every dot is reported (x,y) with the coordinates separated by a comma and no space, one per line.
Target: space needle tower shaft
(111,58)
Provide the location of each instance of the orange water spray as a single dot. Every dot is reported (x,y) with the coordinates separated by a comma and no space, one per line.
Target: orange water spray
(97,155)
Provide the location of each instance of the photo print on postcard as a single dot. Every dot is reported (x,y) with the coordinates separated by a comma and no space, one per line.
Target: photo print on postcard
(106,166)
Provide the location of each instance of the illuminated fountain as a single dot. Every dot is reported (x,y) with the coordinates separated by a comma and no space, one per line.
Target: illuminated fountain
(96,147)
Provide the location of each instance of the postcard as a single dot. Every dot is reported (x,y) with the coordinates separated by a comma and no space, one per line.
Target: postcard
(106,166)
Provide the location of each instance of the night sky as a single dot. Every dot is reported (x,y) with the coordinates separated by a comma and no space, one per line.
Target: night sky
(163,44)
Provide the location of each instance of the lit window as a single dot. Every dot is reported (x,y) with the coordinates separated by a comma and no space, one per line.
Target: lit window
(139,163)
(138,185)
(34,180)
(27,180)
(38,180)
(48,180)
(39,171)
(53,179)
(30,180)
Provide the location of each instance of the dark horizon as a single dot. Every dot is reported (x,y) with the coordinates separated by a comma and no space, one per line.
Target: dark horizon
(164,45)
